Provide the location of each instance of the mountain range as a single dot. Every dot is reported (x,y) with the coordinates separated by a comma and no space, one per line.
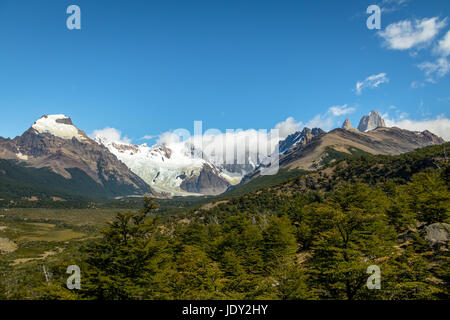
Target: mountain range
(54,155)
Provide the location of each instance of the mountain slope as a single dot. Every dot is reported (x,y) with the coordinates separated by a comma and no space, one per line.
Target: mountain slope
(19,181)
(389,141)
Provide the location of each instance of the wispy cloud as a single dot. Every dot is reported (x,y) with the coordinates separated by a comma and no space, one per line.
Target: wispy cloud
(417,84)
(372,81)
(147,137)
(443,46)
(436,69)
(324,122)
(386,6)
(407,34)
(341,110)
(389,6)
(441,66)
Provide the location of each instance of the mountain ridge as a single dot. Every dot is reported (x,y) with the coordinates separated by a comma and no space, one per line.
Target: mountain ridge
(371,137)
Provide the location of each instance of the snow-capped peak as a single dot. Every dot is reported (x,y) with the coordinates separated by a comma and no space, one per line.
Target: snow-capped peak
(58,125)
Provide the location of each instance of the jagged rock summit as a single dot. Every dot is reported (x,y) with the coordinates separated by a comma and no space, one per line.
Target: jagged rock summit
(347,125)
(371,121)
(299,138)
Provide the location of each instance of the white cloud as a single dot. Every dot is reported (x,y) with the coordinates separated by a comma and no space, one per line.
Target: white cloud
(241,145)
(238,144)
(439,126)
(341,110)
(215,144)
(389,6)
(441,66)
(245,142)
(443,46)
(325,122)
(288,127)
(372,81)
(147,137)
(168,138)
(406,34)
(436,69)
(417,84)
(110,135)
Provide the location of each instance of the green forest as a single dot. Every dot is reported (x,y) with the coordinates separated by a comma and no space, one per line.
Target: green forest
(311,237)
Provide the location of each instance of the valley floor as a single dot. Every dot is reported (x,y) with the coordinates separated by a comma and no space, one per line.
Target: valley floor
(31,239)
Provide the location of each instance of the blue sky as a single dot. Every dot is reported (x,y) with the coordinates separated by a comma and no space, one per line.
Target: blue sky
(147,67)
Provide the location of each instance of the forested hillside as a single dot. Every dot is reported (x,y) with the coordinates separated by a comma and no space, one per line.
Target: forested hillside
(20,181)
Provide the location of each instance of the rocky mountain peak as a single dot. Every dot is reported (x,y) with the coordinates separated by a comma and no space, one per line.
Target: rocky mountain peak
(299,138)
(371,121)
(347,125)
(317,131)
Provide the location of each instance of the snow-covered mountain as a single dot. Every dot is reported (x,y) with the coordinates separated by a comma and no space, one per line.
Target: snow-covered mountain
(173,169)
(53,142)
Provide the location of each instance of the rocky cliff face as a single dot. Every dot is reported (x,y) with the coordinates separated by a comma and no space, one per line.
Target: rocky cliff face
(371,121)
(54,142)
(299,139)
(207,182)
(347,125)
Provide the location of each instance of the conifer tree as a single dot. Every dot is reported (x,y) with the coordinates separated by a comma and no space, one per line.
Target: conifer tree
(359,237)
(122,264)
